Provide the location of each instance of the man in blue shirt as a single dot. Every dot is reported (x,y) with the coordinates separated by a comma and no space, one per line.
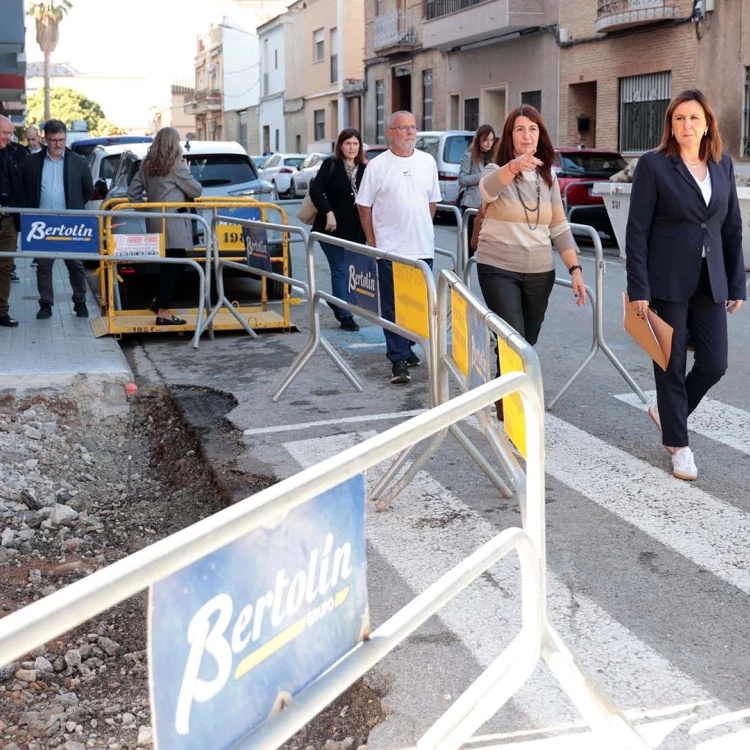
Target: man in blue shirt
(57,179)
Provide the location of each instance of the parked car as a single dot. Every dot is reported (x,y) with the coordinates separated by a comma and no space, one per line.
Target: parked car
(446,147)
(85,146)
(305,174)
(259,161)
(103,162)
(574,165)
(278,170)
(372,151)
(222,167)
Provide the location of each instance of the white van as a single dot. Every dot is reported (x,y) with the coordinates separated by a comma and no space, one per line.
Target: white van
(446,147)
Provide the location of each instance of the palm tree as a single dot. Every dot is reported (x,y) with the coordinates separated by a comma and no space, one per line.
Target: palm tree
(48,15)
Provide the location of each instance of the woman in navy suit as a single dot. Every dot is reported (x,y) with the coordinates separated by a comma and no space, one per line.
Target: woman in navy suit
(685,262)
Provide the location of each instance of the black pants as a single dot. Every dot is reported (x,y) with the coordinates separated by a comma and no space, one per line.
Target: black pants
(167,275)
(45,285)
(678,394)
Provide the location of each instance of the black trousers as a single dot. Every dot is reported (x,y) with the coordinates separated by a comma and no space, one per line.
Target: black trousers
(46,287)
(678,394)
(167,275)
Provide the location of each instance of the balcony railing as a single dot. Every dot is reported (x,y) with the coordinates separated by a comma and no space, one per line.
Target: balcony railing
(204,100)
(613,15)
(399,28)
(438,8)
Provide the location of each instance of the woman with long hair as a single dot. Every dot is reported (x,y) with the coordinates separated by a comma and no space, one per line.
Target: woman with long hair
(473,161)
(523,219)
(685,261)
(165,178)
(333,191)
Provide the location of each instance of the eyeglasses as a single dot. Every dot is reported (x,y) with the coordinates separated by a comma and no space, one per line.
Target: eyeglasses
(56,140)
(405,128)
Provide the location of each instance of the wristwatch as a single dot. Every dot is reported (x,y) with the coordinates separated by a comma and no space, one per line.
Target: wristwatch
(575,268)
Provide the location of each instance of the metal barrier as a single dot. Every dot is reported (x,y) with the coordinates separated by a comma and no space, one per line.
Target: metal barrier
(456,211)
(566,190)
(596,296)
(57,613)
(108,262)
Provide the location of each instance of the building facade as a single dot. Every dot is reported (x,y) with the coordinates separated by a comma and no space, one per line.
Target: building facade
(498,54)
(324,70)
(172,113)
(272,40)
(13,61)
(400,72)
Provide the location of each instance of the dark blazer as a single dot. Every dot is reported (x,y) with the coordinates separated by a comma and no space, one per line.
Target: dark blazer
(669,224)
(76,179)
(332,191)
(15,195)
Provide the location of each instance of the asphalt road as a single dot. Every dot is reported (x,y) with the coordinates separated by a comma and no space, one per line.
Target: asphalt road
(648,576)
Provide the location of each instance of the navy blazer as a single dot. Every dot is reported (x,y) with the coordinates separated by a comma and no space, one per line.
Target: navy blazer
(77,179)
(669,224)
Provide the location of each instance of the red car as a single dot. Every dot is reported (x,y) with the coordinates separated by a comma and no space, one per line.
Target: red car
(574,165)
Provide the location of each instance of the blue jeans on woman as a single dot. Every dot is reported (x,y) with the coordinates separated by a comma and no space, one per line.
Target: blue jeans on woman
(335,256)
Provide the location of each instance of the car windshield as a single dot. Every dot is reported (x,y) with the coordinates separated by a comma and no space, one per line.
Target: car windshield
(591,165)
(372,153)
(455,146)
(294,162)
(222,169)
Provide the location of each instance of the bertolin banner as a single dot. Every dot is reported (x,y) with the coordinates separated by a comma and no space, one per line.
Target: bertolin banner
(362,281)
(60,234)
(235,635)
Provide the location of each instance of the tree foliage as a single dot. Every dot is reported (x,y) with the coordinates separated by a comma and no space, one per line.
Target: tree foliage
(66,105)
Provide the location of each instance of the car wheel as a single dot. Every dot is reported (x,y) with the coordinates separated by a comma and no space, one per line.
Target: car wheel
(293,191)
(275,289)
(275,195)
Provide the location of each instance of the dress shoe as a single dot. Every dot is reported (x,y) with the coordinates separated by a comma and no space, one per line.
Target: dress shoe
(173,321)
(349,324)
(499,410)
(81,310)
(45,311)
(14,278)
(8,322)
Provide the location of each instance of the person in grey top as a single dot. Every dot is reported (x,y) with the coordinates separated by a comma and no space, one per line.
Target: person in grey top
(474,160)
(165,178)
(56,178)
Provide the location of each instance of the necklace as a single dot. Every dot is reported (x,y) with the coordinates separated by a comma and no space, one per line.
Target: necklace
(531,209)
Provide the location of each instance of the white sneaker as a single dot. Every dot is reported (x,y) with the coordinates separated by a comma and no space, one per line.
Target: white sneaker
(653,412)
(683,464)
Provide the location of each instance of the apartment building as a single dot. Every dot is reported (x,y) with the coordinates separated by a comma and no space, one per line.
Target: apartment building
(497,54)
(171,114)
(400,73)
(13,61)
(272,38)
(323,72)
(206,104)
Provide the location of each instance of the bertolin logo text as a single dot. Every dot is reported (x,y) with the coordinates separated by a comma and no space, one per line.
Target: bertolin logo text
(40,231)
(296,602)
(361,280)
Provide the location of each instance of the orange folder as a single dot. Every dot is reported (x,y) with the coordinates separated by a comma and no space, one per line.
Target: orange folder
(653,335)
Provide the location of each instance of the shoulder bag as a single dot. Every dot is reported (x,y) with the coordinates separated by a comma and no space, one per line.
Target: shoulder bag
(308,211)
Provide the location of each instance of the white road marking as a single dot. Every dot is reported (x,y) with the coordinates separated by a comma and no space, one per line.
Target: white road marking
(431,530)
(712,419)
(328,422)
(709,532)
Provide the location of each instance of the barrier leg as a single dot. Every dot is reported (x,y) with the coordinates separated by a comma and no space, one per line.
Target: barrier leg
(393,469)
(201,307)
(625,374)
(582,366)
(481,461)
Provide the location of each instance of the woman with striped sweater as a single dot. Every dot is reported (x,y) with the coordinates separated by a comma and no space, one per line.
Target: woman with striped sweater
(523,218)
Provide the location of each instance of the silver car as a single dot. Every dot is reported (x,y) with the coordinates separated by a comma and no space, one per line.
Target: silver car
(278,170)
(305,174)
(446,147)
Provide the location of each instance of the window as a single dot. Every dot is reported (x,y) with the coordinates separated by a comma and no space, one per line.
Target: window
(298,142)
(427,100)
(243,128)
(334,56)
(378,7)
(319,118)
(221,169)
(745,153)
(643,104)
(379,111)
(534,98)
(276,140)
(275,59)
(471,114)
(319,45)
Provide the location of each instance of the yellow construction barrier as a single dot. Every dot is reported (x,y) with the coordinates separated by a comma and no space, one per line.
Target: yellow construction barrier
(229,244)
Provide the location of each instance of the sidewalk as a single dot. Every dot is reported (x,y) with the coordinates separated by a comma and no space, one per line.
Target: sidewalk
(61,352)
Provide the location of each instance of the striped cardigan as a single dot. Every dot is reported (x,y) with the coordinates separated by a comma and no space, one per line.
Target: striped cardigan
(506,240)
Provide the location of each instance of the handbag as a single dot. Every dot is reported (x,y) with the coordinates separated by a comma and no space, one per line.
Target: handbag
(474,241)
(308,211)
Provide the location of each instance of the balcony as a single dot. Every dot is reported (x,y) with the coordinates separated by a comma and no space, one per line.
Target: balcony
(12,28)
(203,101)
(397,30)
(453,23)
(615,15)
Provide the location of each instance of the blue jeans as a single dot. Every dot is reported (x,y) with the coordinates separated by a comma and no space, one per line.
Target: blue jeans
(335,257)
(397,347)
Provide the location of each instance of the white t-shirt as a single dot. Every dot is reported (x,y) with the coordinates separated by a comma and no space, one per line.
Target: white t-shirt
(399,189)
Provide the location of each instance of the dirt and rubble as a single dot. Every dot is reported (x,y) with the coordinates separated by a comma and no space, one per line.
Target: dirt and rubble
(66,510)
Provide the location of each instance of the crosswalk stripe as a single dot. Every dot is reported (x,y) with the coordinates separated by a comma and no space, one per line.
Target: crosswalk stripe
(713,419)
(432,530)
(709,532)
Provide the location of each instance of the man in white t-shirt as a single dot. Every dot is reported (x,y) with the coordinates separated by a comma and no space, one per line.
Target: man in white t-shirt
(396,203)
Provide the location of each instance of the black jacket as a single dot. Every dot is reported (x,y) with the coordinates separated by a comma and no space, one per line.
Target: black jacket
(669,224)
(332,191)
(11,191)
(76,178)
